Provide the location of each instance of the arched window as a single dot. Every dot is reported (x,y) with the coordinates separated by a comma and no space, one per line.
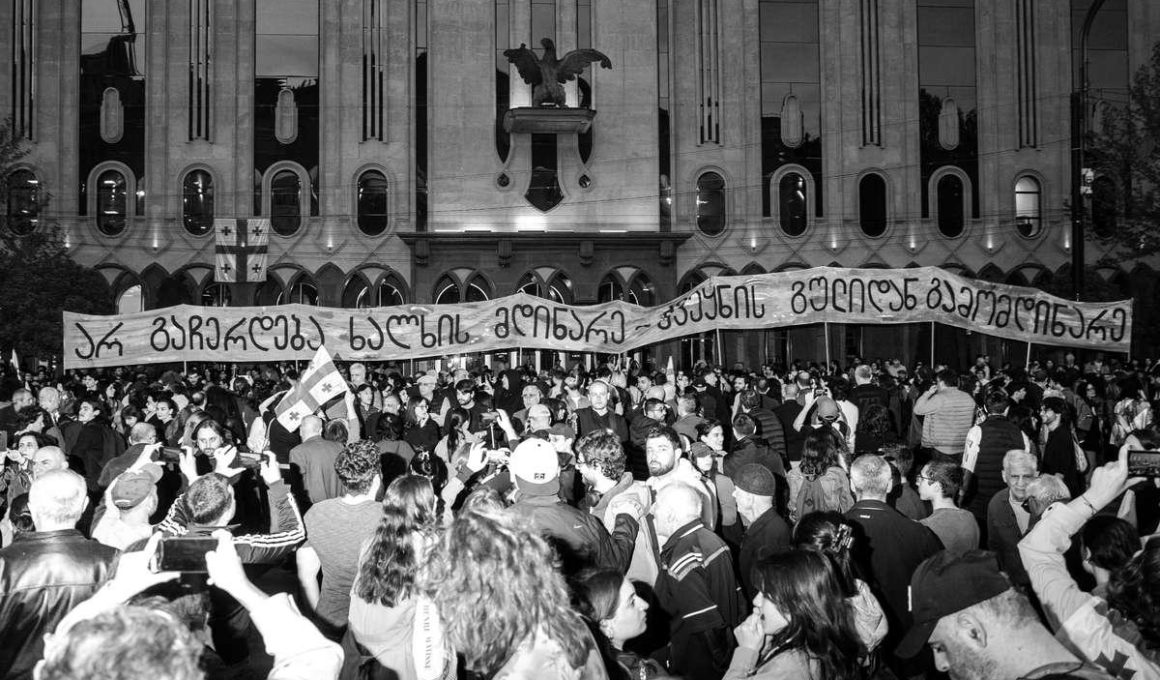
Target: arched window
(302,292)
(216,295)
(130,300)
(358,295)
(372,202)
(285,202)
(446,291)
(477,290)
(558,289)
(791,204)
(1104,206)
(711,203)
(112,202)
(23,201)
(197,202)
(269,293)
(1028,211)
(872,205)
(640,290)
(950,205)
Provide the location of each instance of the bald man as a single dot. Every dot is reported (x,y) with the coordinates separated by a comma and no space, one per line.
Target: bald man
(696,586)
(313,459)
(48,458)
(36,598)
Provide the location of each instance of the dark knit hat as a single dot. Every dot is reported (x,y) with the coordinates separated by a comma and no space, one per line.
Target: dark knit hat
(755,479)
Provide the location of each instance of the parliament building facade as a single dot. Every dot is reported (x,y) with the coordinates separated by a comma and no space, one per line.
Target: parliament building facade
(729,137)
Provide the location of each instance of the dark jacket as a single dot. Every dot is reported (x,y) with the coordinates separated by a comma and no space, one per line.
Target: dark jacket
(787,413)
(43,575)
(588,420)
(998,435)
(770,431)
(769,534)
(578,536)
(1003,536)
(698,588)
(747,451)
(888,547)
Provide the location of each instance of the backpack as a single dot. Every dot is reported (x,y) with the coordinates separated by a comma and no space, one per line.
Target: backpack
(819,495)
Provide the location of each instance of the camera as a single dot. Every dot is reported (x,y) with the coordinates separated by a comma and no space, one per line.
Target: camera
(184,553)
(1144,464)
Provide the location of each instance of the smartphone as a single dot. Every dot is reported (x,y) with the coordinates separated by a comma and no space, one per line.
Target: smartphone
(184,553)
(489,416)
(1144,464)
(170,453)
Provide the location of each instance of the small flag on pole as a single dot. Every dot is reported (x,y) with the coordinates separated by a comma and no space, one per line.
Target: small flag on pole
(241,250)
(15,361)
(319,384)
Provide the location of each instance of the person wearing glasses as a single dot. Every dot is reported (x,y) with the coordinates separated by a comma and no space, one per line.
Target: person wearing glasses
(1007,520)
(939,483)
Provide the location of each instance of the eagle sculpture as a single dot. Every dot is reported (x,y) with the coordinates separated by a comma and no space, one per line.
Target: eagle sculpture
(547,73)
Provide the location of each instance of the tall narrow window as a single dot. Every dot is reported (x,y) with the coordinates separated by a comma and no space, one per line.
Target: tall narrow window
(372,203)
(285,202)
(197,202)
(23,67)
(791,94)
(791,204)
(303,292)
(709,71)
(112,202)
(287,116)
(446,291)
(947,96)
(420,103)
(113,56)
(950,205)
(503,38)
(1028,211)
(711,204)
(872,205)
(1027,89)
(23,202)
(374,69)
(871,77)
(664,128)
(200,70)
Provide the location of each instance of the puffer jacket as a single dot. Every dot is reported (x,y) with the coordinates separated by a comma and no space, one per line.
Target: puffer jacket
(43,575)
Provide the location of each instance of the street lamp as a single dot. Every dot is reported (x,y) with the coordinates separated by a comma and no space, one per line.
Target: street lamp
(1079,121)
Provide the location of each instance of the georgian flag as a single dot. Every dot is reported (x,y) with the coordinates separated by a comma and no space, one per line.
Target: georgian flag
(319,384)
(240,252)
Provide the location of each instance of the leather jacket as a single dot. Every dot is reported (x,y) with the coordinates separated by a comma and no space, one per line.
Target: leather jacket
(43,575)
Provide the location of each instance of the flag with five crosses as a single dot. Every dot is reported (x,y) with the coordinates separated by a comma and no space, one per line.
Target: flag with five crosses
(240,254)
(319,383)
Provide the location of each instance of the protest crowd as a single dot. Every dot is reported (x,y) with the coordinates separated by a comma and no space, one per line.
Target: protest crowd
(866,520)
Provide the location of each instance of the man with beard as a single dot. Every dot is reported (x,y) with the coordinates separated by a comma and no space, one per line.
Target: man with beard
(980,627)
(666,466)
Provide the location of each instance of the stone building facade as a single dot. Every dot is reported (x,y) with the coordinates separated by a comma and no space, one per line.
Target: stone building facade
(730,136)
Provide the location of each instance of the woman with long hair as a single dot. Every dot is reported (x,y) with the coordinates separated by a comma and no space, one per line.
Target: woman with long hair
(821,483)
(801,626)
(421,431)
(504,603)
(615,615)
(387,609)
(830,534)
(395,454)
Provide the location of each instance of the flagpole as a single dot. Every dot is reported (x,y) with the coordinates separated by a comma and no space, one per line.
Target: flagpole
(932,345)
(1027,361)
(826,331)
(720,352)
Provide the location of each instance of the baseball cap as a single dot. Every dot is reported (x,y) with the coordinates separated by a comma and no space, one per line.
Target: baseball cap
(755,479)
(535,465)
(132,488)
(947,583)
(827,408)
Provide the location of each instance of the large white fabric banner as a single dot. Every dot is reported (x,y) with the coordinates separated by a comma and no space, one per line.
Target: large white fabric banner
(823,294)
